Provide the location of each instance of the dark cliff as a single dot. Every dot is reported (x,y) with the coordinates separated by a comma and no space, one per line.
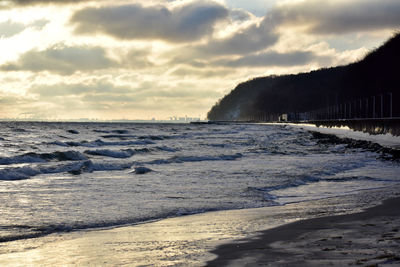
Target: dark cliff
(377,73)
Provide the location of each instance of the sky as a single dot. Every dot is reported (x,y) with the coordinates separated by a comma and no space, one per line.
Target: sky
(120,59)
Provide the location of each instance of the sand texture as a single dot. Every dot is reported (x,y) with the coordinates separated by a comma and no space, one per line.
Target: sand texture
(369,238)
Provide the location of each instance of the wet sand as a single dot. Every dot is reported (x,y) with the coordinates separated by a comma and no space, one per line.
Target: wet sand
(364,238)
(368,238)
(180,241)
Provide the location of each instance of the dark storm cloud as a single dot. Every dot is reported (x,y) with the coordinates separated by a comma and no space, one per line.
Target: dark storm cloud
(337,17)
(62,60)
(186,23)
(273,59)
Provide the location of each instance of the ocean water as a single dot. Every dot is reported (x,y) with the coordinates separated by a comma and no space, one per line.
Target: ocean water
(63,177)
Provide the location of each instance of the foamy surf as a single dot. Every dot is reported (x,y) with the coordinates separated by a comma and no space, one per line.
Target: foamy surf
(84,176)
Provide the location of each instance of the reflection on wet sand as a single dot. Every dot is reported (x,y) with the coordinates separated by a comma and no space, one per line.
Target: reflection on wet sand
(184,241)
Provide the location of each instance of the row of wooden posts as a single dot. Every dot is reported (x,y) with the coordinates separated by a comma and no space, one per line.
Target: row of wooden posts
(374,107)
(382,106)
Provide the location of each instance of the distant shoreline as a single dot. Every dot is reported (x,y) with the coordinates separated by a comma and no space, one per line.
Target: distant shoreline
(98,121)
(371,126)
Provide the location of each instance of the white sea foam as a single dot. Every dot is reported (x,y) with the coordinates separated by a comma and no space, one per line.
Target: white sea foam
(26,172)
(386,140)
(54,181)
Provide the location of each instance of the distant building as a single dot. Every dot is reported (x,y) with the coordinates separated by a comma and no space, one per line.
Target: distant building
(283,117)
(185,119)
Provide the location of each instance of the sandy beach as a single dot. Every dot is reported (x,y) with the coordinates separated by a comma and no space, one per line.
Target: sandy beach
(368,238)
(364,238)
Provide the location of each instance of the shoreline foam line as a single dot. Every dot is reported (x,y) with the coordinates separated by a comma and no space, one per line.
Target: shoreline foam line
(183,241)
(386,140)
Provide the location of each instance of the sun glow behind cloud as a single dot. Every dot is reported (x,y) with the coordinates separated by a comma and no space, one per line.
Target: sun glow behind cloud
(129,59)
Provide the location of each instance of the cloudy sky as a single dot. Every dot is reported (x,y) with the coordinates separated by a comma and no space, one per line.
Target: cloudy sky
(120,59)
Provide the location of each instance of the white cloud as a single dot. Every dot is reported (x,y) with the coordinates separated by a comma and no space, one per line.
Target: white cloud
(339,16)
(251,39)
(257,7)
(61,59)
(10,28)
(135,59)
(273,59)
(185,23)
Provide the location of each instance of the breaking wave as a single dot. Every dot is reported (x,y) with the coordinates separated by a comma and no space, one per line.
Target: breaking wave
(306,180)
(100,143)
(75,168)
(182,159)
(127,153)
(43,157)
(34,231)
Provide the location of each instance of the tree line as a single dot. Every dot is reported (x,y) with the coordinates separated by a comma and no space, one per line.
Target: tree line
(376,74)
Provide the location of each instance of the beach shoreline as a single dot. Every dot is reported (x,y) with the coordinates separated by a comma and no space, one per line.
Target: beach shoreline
(367,238)
(385,140)
(288,234)
(181,241)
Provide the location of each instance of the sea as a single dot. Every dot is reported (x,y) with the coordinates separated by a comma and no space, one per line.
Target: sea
(64,177)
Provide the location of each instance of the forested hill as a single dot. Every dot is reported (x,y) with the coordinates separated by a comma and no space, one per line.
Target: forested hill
(377,73)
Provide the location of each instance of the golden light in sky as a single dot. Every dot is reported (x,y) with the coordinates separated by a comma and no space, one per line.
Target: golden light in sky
(106,60)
